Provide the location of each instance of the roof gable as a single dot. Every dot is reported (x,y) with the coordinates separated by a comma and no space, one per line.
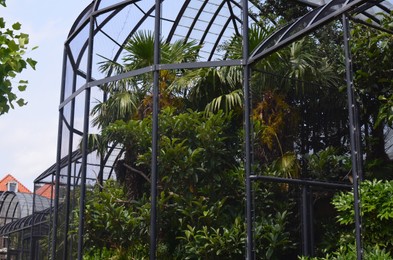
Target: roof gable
(45,191)
(9,178)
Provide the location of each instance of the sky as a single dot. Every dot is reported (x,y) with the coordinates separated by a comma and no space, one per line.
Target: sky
(28,135)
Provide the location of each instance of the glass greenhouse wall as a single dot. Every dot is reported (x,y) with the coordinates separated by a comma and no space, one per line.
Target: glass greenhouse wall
(24,224)
(95,52)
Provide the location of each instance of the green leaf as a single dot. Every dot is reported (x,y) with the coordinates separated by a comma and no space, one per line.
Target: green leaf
(16,26)
(13,46)
(22,87)
(31,62)
(23,81)
(21,102)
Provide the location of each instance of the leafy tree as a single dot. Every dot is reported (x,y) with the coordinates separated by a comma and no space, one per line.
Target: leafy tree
(386,110)
(13,46)
(201,193)
(280,11)
(372,56)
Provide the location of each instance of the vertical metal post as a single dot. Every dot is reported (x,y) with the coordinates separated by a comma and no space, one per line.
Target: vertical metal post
(247,130)
(305,221)
(154,160)
(311,218)
(85,150)
(32,233)
(68,183)
(354,133)
(58,158)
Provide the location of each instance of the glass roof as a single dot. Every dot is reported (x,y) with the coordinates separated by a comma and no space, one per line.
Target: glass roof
(371,10)
(210,23)
(63,162)
(16,205)
(366,11)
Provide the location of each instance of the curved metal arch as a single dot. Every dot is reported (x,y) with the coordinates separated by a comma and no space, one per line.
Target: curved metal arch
(95,11)
(16,205)
(316,19)
(7,207)
(24,223)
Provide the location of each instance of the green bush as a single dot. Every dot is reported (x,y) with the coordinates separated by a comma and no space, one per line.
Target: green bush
(376,212)
(349,252)
(201,195)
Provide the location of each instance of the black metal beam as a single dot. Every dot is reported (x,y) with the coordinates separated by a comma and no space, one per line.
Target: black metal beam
(250,255)
(323,184)
(52,248)
(354,133)
(85,148)
(154,159)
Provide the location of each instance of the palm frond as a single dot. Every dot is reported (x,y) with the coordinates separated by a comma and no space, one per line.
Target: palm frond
(226,102)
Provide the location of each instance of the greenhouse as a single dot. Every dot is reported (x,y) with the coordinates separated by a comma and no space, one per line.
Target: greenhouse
(17,234)
(207,129)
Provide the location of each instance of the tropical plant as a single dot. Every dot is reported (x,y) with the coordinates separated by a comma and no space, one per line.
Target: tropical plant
(131,97)
(328,164)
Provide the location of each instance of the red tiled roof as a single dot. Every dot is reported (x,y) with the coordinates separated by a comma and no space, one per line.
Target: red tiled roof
(9,178)
(45,191)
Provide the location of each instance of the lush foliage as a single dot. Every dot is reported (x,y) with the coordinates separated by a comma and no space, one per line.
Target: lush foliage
(116,224)
(201,199)
(377,214)
(349,252)
(376,210)
(13,46)
(372,53)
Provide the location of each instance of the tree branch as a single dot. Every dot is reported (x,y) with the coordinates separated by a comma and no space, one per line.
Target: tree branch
(137,171)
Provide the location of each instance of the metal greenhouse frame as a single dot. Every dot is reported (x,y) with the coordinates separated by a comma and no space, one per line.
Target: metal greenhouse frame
(103,29)
(24,221)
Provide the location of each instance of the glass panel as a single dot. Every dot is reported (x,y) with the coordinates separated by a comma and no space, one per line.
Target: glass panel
(67,114)
(79,113)
(78,46)
(68,84)
(300,24)
(65,140)
(334,6)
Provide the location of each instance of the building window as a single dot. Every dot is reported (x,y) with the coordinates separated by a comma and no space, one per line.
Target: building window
(12,186)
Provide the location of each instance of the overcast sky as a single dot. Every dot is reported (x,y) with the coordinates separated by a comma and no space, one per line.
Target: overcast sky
(28,135)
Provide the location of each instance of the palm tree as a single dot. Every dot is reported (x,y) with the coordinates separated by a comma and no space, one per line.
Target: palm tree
(278,84)
(131,98)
